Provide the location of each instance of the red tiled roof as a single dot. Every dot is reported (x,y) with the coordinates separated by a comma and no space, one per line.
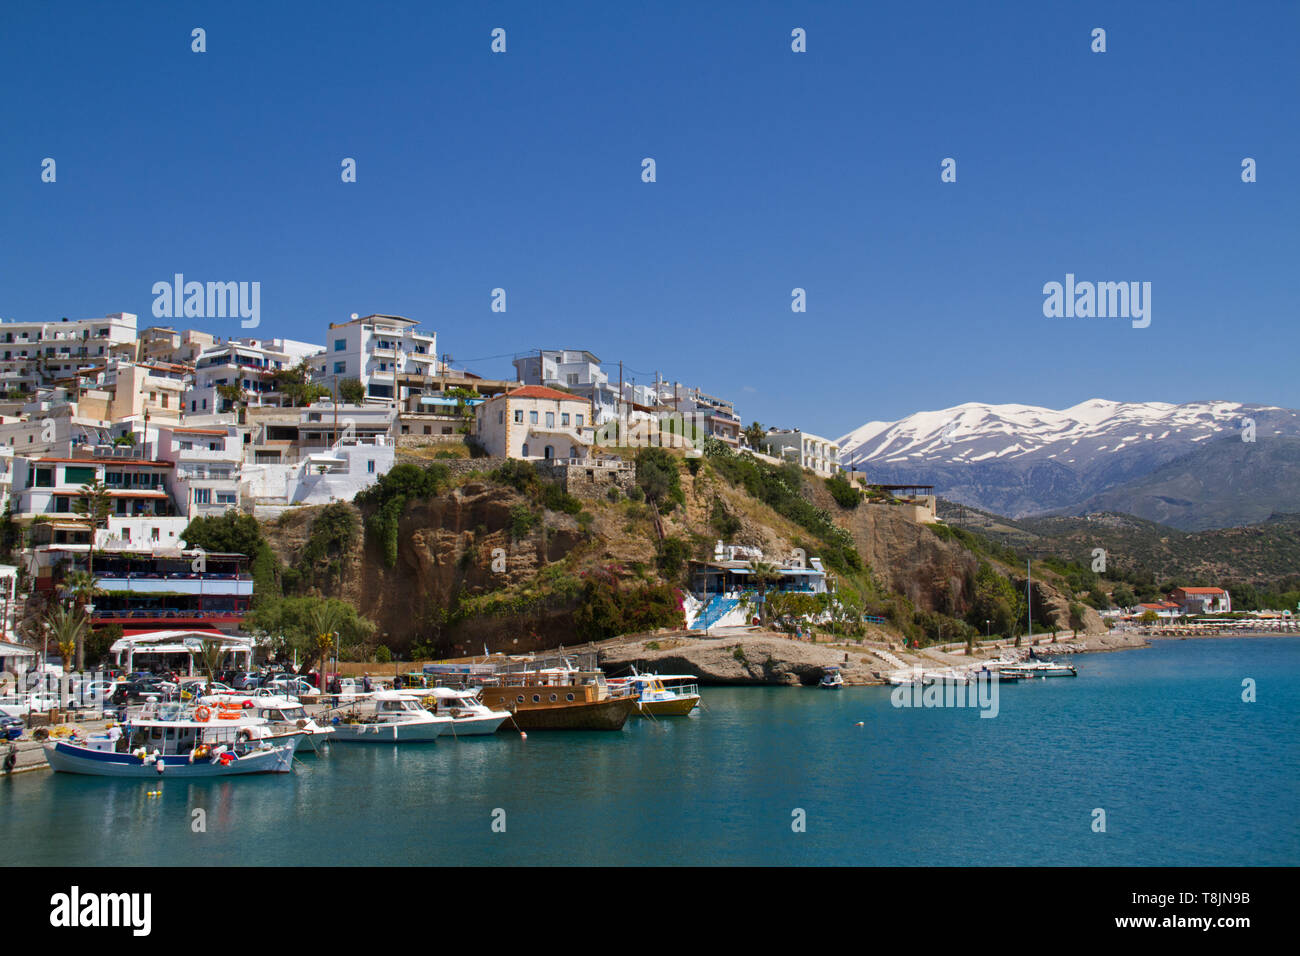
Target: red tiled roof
(1202,590)
(541,391)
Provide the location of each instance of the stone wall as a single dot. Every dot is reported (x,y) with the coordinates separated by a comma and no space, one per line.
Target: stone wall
(591,478)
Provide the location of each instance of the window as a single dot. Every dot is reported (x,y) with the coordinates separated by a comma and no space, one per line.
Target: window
(564,419)
(44,477)
(501,418)
(550,419)
(524,450)
(226,498)
(203,496)
(370,466)
(78,475)
(579,421)
(340,345)
(428,429)
(154,534)
(519,416)
(340,368)
(532,418)
(573,378)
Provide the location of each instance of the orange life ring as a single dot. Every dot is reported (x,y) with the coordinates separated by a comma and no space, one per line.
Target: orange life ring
(202,712)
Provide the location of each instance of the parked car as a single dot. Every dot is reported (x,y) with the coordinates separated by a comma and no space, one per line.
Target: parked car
(283,684)
(246,680)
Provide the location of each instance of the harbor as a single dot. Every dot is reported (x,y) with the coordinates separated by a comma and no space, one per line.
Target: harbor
(879,784)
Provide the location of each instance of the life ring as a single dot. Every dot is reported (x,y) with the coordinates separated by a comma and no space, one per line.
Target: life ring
(202,713)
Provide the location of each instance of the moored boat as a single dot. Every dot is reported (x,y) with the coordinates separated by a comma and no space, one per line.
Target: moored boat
(388,717)
(170,741)
(832,679)
(661,695)
(558,698)
(470,717)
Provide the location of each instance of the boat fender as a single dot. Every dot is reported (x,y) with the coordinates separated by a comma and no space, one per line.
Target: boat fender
(160,766)
(301,724)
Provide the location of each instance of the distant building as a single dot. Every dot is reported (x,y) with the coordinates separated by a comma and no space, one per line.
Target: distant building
(576,371)
(251,365)
(1202,600)
(1165,610)
(36,353)
(817,454)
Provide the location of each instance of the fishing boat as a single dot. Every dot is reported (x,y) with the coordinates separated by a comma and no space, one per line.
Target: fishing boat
(558,698)
(171,740)
(661,695)
(470,717)
(832,679)
(388,717)
(285,717)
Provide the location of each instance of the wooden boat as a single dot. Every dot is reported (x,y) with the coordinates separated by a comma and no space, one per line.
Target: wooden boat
(557,698)
(654,696)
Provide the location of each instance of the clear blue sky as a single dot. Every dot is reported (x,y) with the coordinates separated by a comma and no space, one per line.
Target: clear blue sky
(775,170)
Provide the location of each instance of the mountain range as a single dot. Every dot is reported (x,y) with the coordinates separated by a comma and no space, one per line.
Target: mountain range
(1192,466)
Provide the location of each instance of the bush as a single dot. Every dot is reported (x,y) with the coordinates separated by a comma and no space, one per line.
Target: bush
(845,495)
(383,655)
(522,521)
(672,553)
(555,498)
(389,496)
(636,494)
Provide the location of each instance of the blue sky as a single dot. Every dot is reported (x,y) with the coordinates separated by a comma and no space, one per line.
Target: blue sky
(775,170)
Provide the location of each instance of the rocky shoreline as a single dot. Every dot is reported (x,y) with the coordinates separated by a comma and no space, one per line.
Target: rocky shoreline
(756,657)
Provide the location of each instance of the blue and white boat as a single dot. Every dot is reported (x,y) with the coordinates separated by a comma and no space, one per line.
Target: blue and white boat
(832,679)
(170,741)
(388,717)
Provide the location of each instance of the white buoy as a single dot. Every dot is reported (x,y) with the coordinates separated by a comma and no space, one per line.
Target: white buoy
(522,735)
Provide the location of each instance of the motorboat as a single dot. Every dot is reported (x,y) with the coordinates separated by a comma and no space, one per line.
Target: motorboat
(470,717)
(388,717)
(832,679)
(285,718)
(1038,667)
(171,740)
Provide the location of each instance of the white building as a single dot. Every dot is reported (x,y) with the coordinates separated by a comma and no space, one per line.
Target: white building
(817,454)
(577,371)
(320,477)
(534,422)
(35,353)
(250,364)
(206,480)
(375,350)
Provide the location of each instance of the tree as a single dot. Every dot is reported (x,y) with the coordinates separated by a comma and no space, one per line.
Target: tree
(93,504)
(302,620)
(352,391)
(67,628)
(754,435)
(210,654)
(763,575)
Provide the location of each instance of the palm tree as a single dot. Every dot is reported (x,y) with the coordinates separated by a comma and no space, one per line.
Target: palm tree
(83,586)
(210,654)
(67,627)
(763,575)
(754,435)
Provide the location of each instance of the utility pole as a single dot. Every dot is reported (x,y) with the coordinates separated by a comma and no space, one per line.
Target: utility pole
(334,396)
(619,413)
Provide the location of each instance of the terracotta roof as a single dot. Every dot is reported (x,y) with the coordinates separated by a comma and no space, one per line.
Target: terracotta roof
(541,391)
(1202,590)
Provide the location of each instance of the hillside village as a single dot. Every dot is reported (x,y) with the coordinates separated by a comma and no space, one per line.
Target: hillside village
(166,484)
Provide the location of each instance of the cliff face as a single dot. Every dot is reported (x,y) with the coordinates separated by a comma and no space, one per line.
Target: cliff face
(458,547)
(447,549)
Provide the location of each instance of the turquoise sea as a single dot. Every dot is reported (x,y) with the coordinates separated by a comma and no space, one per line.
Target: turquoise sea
(1158,738)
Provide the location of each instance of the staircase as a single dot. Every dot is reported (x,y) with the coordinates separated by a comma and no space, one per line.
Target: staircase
(717,608)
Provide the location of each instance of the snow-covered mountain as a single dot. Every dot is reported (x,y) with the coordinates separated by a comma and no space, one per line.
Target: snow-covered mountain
(1020,459)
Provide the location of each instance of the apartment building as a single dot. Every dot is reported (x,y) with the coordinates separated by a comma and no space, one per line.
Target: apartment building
(206,479)
(375,350)
(37,353)
(251,365)
(817,454)
(162,344)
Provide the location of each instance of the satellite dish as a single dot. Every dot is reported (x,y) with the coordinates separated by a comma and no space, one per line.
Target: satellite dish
(355,316)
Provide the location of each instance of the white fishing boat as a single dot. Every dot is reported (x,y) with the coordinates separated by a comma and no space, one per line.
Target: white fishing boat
(169,740)
(388,717)
(285,717)
(470,717)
